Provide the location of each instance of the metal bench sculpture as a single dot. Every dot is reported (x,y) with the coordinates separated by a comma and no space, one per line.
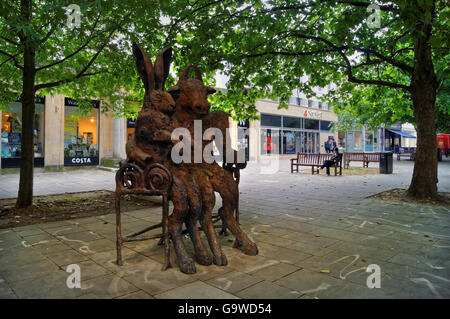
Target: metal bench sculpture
(190,186)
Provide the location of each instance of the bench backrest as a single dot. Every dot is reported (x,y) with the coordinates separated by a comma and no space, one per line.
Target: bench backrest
(373,157)
(314,158)
(363,157)
(355,156)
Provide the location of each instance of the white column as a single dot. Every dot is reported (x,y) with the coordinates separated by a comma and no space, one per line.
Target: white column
(119,138)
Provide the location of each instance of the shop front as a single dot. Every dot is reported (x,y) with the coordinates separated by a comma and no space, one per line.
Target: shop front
(285,132)
(81,138)
(362,140)
(131,124)
(11,134)
(396,139)
(289,135)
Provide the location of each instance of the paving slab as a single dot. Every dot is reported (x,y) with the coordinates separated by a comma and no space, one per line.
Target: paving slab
(196,290)
(316,236)
(268,290)
(234,281)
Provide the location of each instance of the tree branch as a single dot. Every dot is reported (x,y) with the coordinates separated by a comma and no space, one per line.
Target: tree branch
(402,66)
(388,8)
(82,72)
(67,57)
(10,41)
(65,81)
(70,55)
(305,53)
(47,36)
(379,82)
(11,57)
(351,77)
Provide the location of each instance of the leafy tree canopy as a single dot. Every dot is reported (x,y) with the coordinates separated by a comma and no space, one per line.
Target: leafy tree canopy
(91,60)
(266,46)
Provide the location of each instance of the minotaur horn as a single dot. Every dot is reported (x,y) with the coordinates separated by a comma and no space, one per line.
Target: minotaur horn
(198,74)
(185,73)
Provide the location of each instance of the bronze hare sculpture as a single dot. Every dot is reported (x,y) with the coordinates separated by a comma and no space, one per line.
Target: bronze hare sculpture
(194,184)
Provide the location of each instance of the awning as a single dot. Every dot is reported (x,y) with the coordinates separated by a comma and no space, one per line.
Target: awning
(400,133)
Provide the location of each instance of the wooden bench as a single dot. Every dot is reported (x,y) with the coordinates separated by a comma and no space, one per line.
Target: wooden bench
(408,153)
(315,160)
(365,158)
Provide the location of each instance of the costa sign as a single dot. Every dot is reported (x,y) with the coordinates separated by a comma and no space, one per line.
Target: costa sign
(80,161)
(314,114)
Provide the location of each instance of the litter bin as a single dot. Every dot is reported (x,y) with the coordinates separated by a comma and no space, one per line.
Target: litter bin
(439,154)
(386,159)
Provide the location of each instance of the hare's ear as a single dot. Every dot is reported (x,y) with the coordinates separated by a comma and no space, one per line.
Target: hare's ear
(144,68)
(162,67)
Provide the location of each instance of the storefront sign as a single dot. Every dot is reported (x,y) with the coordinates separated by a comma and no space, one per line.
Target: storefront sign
(131,123)
(80,161)
(313,114)
(37,99)
(71,102)
(244,123)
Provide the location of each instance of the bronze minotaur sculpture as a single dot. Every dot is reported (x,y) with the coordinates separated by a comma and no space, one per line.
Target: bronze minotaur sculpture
(189,185)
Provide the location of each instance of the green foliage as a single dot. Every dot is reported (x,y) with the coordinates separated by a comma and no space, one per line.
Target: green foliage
(92,61)
(443,96)
(265,47)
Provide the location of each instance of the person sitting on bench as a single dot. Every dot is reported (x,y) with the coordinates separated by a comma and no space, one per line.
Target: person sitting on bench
(334,159)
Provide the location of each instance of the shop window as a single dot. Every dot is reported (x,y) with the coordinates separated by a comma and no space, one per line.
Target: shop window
(369,144)
(341,140)
(270,120)
(293,122)
(270,141)
(354,141)
(311,124)
(11,134)
(289,142)
(80,138)
(131,123)
(325,125)
(293,100)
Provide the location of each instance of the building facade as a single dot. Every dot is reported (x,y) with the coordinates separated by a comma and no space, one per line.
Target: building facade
(382,139)
(305,126)
(60,139)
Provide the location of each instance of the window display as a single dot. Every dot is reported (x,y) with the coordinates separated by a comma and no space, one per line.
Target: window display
(293,136)
(369,141)
(270,141)
(288,142)
(80,138)
(11,134)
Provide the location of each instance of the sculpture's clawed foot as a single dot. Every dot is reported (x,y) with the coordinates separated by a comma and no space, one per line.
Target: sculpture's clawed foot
(248,248)
(203,258)
(220,260)
(187,266)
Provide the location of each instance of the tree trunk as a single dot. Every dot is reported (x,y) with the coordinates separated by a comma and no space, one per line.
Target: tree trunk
(424,86)
(424,180)
(25,196)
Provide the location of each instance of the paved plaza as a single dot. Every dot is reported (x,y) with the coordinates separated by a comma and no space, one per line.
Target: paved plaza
(316,237)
